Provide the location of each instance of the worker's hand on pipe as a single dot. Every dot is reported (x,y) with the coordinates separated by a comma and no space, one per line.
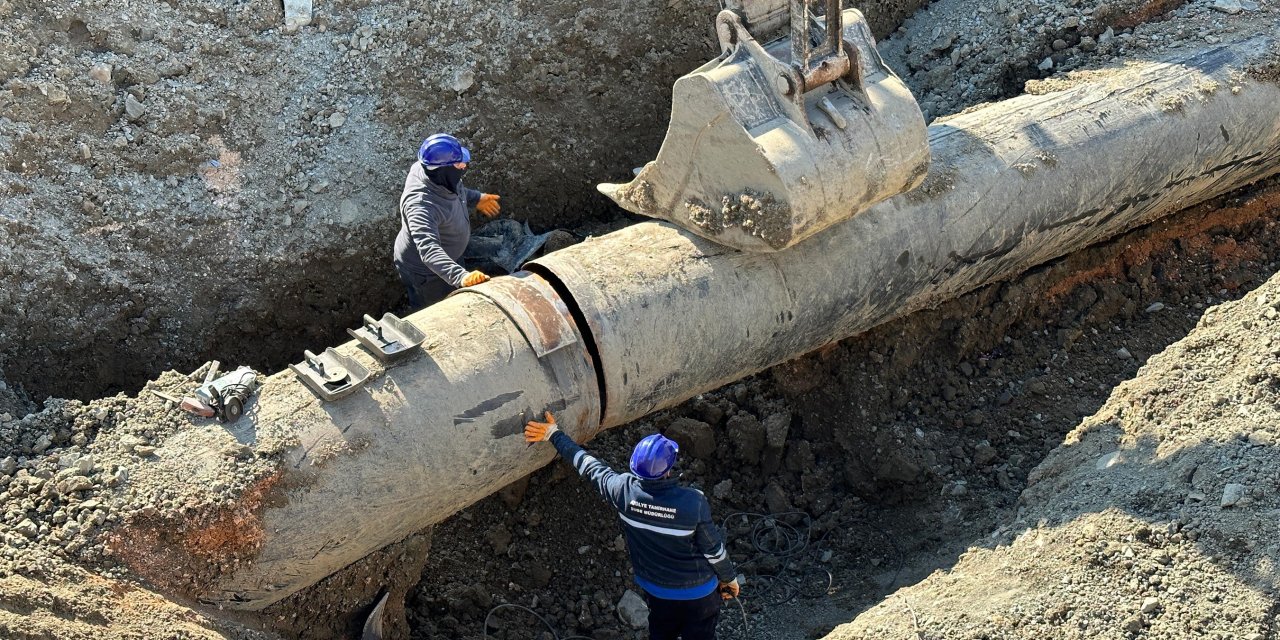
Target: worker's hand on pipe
(729,590)
(540,431)
(488,205)
(474,278)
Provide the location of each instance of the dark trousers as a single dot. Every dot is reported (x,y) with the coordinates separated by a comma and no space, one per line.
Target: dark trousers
(684,619)
(423,290)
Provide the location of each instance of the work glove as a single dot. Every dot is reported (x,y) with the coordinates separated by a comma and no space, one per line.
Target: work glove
(729,590)
(488,205)
(474,278)
(540,431)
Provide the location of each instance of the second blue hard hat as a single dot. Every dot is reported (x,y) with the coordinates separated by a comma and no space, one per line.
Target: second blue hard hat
(441,150)
(654,456)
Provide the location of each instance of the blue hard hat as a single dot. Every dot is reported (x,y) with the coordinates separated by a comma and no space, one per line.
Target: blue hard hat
(441,150)
(654,456)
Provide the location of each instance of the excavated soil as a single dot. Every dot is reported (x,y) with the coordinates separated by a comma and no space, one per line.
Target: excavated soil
(1155,518)
(180,182)
(185,181)
(957,54)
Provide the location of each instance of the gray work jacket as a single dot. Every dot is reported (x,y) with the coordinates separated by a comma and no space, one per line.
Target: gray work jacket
(434,227)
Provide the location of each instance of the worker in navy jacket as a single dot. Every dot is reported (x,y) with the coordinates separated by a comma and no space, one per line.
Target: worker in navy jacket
(678,555)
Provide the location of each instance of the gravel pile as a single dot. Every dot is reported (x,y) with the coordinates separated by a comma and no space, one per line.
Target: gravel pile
(955,54)
(67,479)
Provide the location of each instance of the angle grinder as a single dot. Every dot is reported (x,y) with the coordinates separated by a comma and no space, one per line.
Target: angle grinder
(228,394)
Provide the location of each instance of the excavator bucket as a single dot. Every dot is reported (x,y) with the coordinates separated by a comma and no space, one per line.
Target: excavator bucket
(771,144)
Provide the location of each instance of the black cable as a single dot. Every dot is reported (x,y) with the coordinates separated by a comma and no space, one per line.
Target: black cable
(535,614)
(771,536)
(746,628)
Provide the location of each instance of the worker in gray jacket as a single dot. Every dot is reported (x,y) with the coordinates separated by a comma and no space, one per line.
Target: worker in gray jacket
(434,223)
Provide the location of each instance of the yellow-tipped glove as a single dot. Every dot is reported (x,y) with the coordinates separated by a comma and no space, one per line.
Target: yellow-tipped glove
(729,590)
(488,205)
(540,431)
(474,278)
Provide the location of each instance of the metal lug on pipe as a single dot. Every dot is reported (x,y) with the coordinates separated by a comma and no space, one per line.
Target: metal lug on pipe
(331,374)
(388,339)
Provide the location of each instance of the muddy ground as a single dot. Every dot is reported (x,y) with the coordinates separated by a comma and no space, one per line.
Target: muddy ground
(182,182)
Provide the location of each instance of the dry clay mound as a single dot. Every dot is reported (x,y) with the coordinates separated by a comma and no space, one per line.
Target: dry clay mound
(1155,518)
(87,607)
(182,180)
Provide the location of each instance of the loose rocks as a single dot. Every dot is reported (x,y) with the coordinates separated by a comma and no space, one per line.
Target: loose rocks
(633,610)
(133,108)
(101,73)
(748,436)
(696,438)
(1150,605)
(1232,494)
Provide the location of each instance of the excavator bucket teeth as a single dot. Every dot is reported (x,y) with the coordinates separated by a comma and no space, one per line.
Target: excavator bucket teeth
(761,154)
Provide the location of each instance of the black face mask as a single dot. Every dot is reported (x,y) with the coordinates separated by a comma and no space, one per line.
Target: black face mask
(448,177)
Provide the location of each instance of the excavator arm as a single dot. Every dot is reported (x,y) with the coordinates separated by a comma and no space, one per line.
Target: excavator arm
(770,144)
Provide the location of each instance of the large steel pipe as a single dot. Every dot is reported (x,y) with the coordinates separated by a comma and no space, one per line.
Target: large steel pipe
(1012,185)
(646,317)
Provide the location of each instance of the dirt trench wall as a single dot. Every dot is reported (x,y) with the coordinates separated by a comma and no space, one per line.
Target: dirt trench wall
(1153,517)
(182,181)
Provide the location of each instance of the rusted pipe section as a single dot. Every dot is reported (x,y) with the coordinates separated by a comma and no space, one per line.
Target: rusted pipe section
(641,319)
